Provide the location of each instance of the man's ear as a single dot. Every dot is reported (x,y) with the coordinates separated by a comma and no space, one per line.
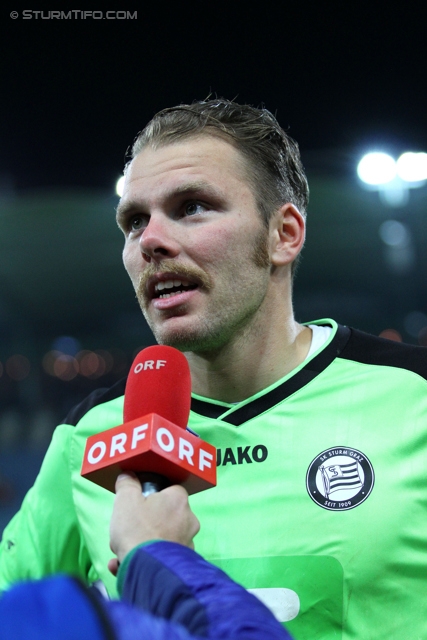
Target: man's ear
(287,234)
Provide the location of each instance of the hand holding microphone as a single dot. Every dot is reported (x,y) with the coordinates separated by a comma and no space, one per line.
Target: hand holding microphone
(136,519)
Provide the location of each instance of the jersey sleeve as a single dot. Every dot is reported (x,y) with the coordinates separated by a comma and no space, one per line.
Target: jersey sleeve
(44,536)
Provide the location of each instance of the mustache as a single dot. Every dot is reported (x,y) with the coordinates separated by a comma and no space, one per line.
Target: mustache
(191,273)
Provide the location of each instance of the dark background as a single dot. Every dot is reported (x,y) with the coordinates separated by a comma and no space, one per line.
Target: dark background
(342,78)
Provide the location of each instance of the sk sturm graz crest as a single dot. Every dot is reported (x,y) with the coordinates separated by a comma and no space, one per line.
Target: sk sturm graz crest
(340,478)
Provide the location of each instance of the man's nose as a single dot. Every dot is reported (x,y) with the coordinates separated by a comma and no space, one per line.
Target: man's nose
(158,239)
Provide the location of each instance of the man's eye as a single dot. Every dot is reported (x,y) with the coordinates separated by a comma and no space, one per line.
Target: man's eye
(192,208)
(136,223)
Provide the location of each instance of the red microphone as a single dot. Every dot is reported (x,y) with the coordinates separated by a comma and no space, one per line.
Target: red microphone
(153,441)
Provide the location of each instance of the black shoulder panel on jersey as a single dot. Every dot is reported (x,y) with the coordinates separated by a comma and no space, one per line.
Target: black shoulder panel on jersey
(92,400)
(294,383)
(368,349)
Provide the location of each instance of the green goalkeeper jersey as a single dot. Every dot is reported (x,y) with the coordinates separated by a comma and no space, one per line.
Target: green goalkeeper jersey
(321,502)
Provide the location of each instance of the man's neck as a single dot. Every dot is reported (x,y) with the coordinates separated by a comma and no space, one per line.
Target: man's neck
(250,363)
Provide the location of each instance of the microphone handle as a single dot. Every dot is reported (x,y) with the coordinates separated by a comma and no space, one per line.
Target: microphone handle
(152,482)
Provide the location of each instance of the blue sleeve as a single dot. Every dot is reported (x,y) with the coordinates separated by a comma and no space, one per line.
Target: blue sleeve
(52,608)
(169,593)
(175,583)
(62,607)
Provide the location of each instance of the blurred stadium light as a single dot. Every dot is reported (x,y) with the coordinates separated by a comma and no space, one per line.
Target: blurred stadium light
(119,186)
(392,178)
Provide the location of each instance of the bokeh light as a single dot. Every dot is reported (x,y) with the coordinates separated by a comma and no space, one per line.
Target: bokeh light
(391,334)
(91,364)
(18,367)
(48,362)
(412,167)
(119,186)
(376,168)
(65,367)
(394,233)
(67,345)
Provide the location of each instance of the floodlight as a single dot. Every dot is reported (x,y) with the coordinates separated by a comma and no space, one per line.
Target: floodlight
(412,167)
(119,186)
(376,168)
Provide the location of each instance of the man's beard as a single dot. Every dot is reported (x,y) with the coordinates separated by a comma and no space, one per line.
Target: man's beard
(203,338)
(261,254)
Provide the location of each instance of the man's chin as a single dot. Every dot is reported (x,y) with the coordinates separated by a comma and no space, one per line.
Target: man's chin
(184,335)
(185,339)
(181,341)
(172,336)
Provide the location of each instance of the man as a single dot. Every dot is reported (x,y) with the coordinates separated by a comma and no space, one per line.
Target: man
(321,432)
(175,593)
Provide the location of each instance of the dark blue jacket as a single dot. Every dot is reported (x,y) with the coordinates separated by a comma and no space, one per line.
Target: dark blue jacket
(168,592)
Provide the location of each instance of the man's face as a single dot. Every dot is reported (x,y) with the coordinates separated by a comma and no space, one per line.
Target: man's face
(196,249)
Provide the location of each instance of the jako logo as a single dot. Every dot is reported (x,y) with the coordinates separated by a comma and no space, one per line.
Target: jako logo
(259,453)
